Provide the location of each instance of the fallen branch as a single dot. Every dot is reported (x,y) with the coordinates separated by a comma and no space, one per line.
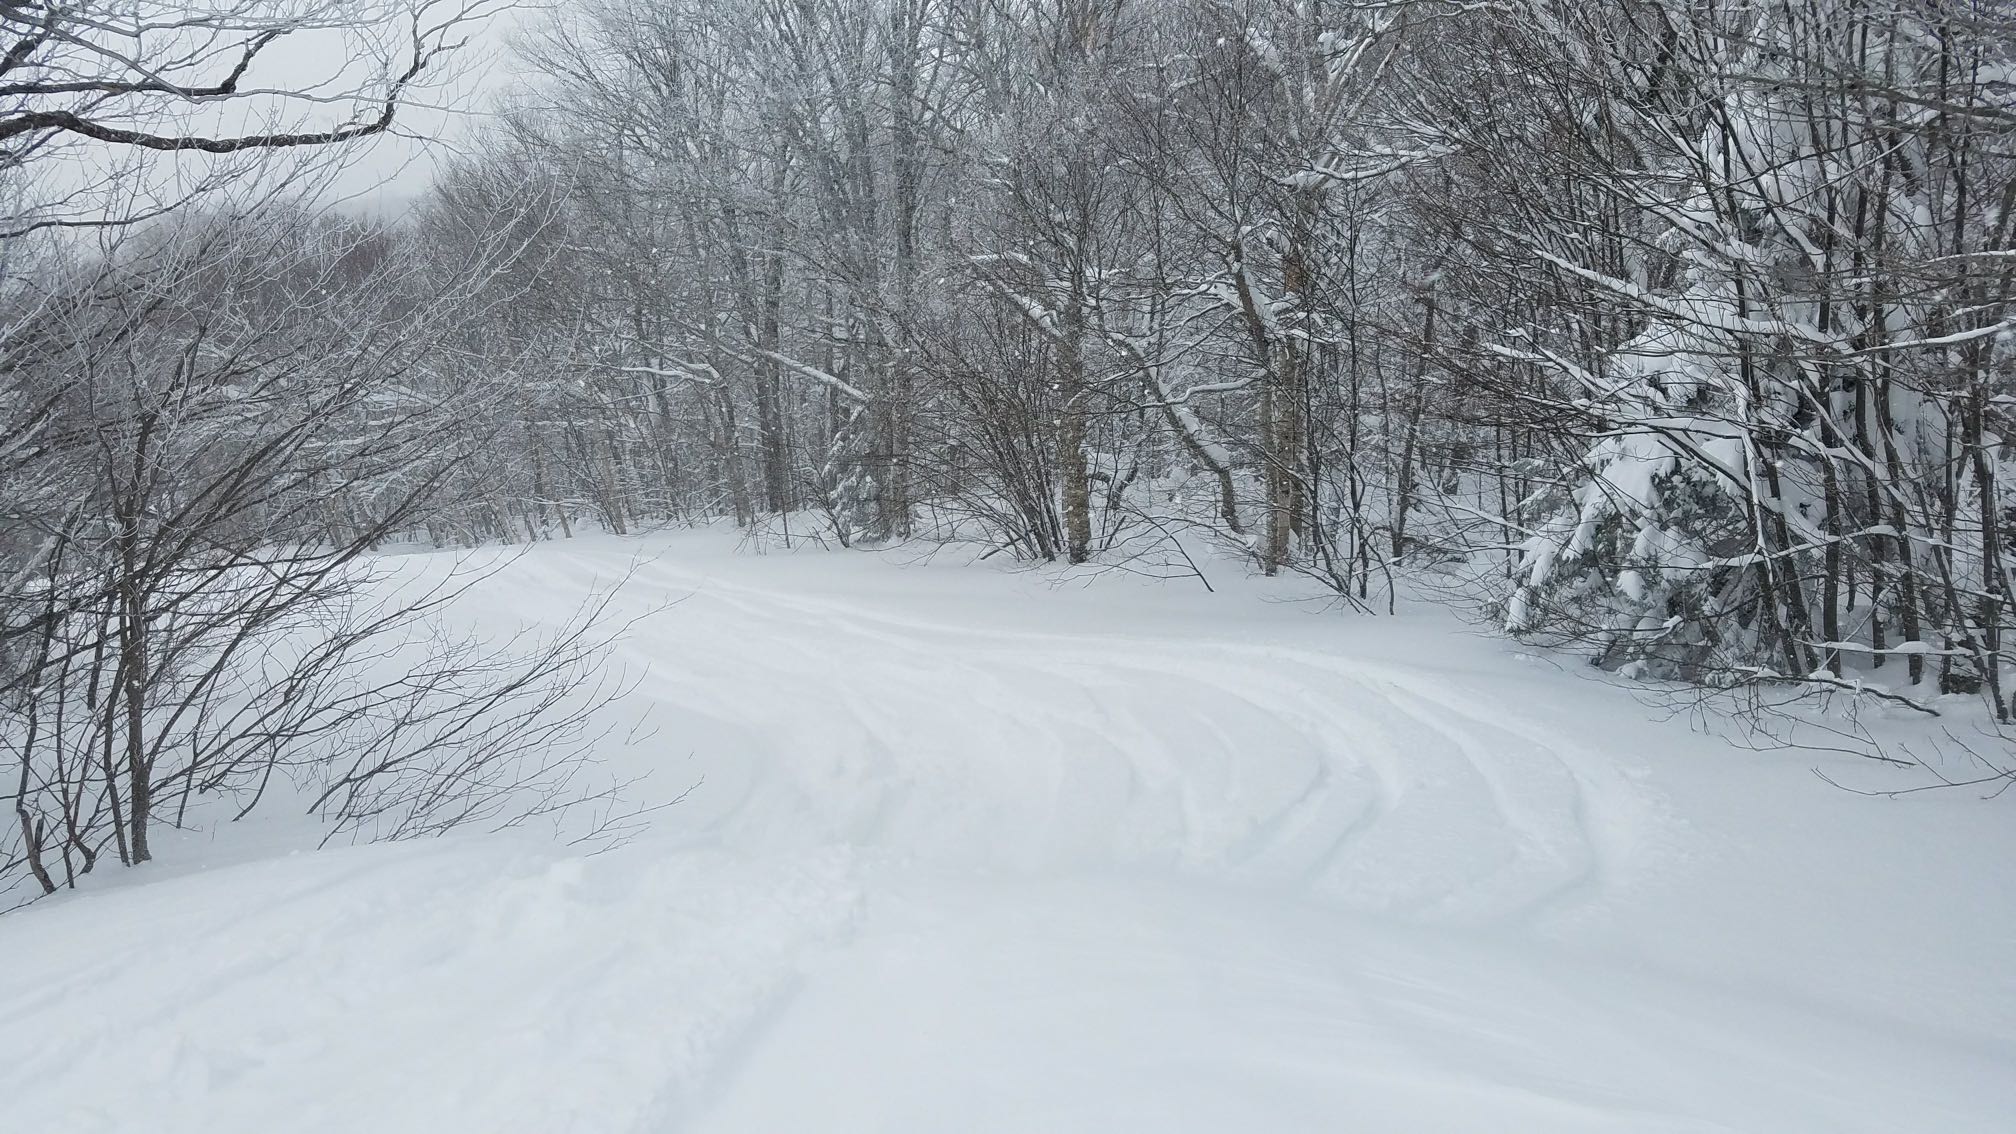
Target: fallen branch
(1767,677)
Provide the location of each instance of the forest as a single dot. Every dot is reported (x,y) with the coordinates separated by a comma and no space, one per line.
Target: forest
(1682,330)
(1677,334)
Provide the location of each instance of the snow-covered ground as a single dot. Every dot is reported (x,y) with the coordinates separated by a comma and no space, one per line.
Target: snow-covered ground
(973,850)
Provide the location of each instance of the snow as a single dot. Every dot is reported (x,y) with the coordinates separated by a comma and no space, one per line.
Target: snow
(979,850)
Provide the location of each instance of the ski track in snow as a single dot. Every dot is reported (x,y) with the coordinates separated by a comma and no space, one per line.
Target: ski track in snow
(1304,777)
(1034,870)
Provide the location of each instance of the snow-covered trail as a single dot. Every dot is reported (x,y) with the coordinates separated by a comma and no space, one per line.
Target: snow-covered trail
(1026,749)
(970,852)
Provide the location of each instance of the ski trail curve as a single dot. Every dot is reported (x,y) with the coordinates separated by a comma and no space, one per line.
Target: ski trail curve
(1360,783)
(959,857)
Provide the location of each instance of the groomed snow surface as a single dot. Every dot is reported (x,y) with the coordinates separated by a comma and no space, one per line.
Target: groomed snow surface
(975,850)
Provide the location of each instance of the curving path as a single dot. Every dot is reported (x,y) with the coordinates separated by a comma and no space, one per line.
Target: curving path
(971,852)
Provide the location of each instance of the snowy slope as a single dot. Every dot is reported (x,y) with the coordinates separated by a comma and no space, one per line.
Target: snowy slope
(976,851)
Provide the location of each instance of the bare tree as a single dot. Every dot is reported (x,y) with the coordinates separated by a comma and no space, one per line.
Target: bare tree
(210,416)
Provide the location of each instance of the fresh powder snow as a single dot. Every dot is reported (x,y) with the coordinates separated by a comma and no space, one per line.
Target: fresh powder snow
(963,849)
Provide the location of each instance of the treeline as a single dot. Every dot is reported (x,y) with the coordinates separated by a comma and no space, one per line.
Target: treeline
(1682,327)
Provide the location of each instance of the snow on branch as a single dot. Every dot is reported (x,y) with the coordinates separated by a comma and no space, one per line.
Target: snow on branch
(806,370)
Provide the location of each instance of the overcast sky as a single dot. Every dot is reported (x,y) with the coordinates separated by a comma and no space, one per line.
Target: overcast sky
(387,171)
